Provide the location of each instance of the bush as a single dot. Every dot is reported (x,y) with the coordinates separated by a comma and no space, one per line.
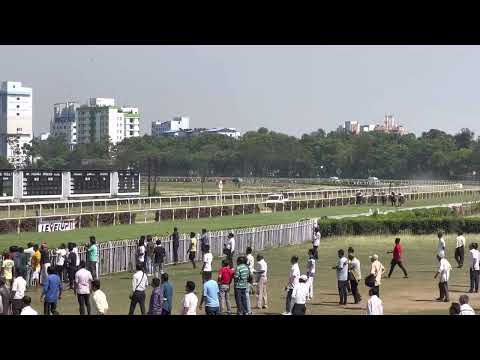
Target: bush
(379,225)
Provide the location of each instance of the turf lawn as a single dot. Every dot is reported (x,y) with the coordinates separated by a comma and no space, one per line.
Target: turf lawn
(415,295)
(118,232)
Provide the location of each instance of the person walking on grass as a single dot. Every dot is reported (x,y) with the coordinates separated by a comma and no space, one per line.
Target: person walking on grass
(52,292)
(342,276)
(21,264)
(240,278)
(375,304)
(474,267)
(465,308)
(139,285)
(261,274)
(225,277)
(299,296)
(83,280)
(207,264)
(44,262)
(175,237)
(92,257)
(167,295)
(210,296)
(441,248)
(310,272)
(36,265)
(444,272)
(156,299)
(19,287)
(316,241)
(190,300)
(377,269)
(460,249)
(397,258)
(192,249)
(99,298)
(293,278)
(158,259)
(354,276)
(27,309)
(29,254)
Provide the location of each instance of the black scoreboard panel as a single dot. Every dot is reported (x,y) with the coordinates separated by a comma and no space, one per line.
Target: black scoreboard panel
(6,184)
(128,182)
(42,183)
(85,182)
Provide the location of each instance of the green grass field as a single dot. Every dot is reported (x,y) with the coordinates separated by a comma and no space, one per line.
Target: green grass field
(119,232)
(415,295)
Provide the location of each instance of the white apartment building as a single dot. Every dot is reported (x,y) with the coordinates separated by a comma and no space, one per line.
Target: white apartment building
(352,127)
(176,124)
(231,132)
(64,122)
(15,120)
(100,119)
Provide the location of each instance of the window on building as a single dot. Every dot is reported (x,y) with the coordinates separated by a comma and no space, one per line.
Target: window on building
(18,106)
(18,114)
(19,130)
(18,98)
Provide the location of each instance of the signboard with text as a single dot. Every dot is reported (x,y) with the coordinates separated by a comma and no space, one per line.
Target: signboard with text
(56,225)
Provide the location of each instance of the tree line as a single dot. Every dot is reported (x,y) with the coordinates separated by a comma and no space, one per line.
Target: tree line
(265,153)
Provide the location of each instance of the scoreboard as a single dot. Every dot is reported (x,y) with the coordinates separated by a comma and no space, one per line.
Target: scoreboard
(42,184)
(89,182)
(6,184)
(128,182)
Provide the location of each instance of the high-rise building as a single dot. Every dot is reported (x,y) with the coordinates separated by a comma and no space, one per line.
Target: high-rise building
(64,122)
(15,120)
(171,126)
(352,127)
(101,120)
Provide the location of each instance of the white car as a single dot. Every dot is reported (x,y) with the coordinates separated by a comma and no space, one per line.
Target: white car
(276,199)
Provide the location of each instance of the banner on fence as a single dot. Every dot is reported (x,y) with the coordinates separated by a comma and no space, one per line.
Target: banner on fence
(56,225)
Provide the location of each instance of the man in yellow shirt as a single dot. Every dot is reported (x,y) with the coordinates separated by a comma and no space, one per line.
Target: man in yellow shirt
(36,257)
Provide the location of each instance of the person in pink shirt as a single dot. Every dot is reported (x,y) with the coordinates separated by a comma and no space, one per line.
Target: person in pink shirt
(83,281)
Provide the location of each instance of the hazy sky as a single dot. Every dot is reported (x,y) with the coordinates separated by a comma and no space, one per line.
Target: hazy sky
(292,89)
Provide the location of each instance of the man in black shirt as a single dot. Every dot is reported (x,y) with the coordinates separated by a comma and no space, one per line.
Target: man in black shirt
(158,259)
(176,243)
(204,241)
(71,265)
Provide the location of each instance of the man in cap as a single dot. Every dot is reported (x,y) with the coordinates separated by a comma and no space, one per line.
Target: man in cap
(377,270)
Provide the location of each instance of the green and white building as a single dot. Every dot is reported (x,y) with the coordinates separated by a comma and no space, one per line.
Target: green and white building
(100,119)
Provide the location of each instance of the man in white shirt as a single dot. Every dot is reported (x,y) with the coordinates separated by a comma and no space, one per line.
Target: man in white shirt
(190,300)
(474,267)
(460,249)
(465,308)
(99,298)
(310,272)
(139,285)
(444,272)
(316,241)
(83,280)
(230,246)
(17,292)
(261,273)
(342,276)
(377,269)
(375,304)
(27,309)
(299,296)
(440,246)
(251,267)
(207,263)
(61,254)
(292,281)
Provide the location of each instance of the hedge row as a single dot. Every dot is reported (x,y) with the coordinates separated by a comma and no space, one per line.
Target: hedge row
(417,226)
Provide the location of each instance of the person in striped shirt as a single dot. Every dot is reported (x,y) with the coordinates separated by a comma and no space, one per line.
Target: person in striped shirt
(241,276)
